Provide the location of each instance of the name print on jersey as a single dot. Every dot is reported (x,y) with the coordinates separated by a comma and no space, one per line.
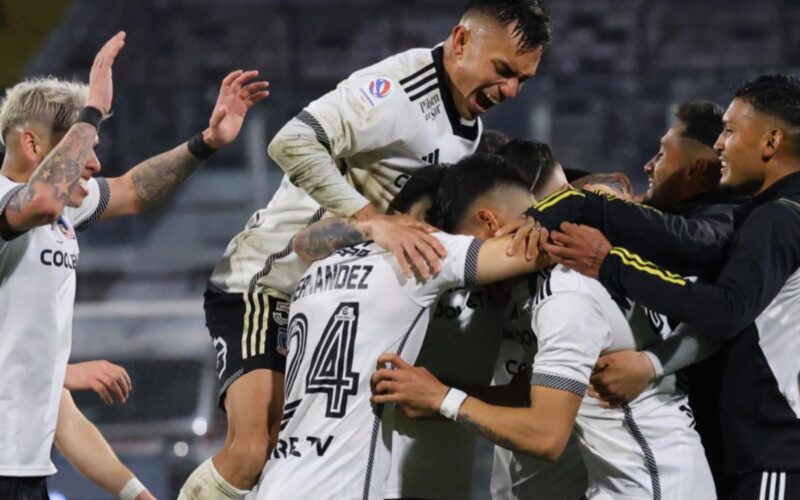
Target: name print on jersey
(336,277)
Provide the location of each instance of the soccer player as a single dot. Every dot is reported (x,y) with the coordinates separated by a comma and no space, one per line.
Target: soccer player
(349,152)
(47,193)
(629,452)
(751,306)
(355,304)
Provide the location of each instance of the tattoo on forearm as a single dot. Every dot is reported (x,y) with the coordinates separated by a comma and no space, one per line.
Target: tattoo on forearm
(158,177)
(60,171)
(326,236)
(488,433)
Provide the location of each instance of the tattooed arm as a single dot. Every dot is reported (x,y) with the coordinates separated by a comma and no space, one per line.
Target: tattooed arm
(158,177)
(409,240)
(43,198)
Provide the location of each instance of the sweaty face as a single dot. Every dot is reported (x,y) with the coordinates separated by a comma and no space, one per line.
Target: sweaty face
(741,145)
(489,69)
(665,168)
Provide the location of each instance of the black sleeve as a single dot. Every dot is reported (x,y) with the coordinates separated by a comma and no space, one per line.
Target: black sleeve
(690,246)
(764,254)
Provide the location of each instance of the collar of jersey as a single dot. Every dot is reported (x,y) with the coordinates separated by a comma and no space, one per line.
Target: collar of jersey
(461,128)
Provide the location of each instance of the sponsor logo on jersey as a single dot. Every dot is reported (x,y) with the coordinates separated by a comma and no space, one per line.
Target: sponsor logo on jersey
(380,87)
(375,92)
(65,228)
(58,258)
(432,158)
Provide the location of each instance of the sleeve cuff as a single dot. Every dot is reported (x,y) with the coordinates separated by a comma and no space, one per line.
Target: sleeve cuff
(558,382)
(471,262)
(658,368)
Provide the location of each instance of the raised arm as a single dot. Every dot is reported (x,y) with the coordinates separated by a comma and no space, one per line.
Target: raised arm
(156,178)
(51,185)
(87,450)
(689,246)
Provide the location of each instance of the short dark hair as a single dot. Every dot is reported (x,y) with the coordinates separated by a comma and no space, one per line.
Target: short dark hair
(703,121)
(491,141)
(776,95)
(466,181)
(424,182)
(534,160)
(531,17)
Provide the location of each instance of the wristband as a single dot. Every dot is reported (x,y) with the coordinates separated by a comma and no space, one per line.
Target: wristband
(199,148)
(131,489)
(90,115)
(452,403)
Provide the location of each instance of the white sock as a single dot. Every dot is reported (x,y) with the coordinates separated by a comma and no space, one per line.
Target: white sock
(206,483)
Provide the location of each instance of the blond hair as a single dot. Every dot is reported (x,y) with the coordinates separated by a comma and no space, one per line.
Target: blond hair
(49,100)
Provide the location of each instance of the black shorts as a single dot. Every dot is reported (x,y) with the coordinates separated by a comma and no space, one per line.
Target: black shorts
(248,332)
(23,488)
(763,486)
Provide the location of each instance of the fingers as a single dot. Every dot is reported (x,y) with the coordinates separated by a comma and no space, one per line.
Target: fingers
(116,388)
(127,379)
(519,239)
(393,358)
(533,250)
(228,80)
(104,394)
(419,263)
(243,78)
(510,227)
(435,244)
(105,56)
(400,256)
(430,255)
(217,117)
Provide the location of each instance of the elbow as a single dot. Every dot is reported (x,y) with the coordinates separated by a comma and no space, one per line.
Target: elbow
(299,248)
(548,448)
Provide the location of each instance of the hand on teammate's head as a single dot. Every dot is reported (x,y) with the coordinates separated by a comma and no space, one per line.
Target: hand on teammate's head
(578,247)
(416,250)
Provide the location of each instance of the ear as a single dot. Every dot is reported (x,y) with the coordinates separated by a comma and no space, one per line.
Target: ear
(460,36)
(697,167)
(487,219)
(774,139)
(30,146)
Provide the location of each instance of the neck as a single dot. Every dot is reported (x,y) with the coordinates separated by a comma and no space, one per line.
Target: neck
(778,172)
(14,169)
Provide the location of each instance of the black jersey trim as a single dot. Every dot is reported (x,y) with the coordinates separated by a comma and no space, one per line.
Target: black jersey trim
(471,262)
(419,83)
(650,459)
(102,205)
(417,73)
(4,201)
(424,92)
(309,119)
(558,382)
(287,250)
(469,132)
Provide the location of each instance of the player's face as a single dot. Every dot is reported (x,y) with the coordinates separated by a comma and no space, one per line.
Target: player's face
(91,167)
(489,68)
(741,145)
(665,168)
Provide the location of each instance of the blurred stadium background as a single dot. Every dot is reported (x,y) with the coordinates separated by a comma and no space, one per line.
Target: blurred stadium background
(602,100)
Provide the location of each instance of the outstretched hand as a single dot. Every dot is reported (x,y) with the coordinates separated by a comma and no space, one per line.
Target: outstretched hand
(106,379)
(237,94)
(101,86)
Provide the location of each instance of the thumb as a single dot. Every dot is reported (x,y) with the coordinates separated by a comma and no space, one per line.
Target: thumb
(218,116)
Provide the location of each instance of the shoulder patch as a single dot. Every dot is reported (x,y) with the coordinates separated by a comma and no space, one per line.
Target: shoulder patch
(374,92)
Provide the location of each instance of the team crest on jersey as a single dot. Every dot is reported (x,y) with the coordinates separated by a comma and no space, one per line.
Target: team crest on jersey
(65,228)
(375,92)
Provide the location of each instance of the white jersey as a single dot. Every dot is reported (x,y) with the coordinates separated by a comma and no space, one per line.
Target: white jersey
(381,125)
(37,292)
(346,311)
(517,476)
(646,449)
(460,349)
